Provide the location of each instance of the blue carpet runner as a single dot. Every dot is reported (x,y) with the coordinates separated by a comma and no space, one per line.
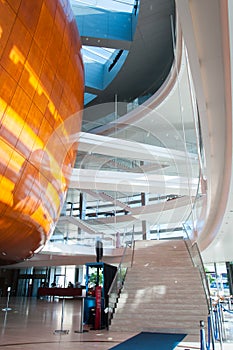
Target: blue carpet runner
(151,341)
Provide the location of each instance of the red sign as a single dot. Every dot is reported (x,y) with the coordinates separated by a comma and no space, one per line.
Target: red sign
(98,307)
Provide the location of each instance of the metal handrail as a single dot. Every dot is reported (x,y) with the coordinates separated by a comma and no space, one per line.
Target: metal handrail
(128,244)
(116,284)
(118,268)
(203,274)
(200,265)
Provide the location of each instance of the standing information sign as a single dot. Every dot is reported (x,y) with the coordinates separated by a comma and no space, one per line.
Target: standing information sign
(98,291)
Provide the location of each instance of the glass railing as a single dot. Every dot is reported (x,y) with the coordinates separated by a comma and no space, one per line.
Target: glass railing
(118,281)
(196,258)
(197,261)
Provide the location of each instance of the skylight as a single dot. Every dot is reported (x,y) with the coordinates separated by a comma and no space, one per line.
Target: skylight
(104,22)
(96,54)
(110,5)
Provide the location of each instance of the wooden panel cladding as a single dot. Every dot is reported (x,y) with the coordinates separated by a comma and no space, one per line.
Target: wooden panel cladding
(41,102)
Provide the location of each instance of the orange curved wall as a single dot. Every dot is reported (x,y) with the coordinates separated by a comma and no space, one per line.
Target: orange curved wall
(41,99)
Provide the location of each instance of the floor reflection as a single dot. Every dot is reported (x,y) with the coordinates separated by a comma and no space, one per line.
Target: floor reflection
(33,324)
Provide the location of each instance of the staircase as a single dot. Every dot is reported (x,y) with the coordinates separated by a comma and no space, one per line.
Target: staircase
(107,198)
(79,223)
(162,292)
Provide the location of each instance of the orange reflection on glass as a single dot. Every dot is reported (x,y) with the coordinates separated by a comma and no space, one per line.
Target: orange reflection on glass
(17,57)
(3,106)
(41,90)
(14,123)
(6,191)
(6,155)
(30,171)
(42,217)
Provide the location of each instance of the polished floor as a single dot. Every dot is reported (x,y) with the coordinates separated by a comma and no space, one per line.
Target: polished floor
(37,324)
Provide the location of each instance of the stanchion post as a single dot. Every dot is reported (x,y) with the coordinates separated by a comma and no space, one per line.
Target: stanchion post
(62,331)
(229,303)
(202,336)
(216,330)
(7,308)
(221,316)
(81,330)
(208,333)
(219,327)
(211,317)
(81,315)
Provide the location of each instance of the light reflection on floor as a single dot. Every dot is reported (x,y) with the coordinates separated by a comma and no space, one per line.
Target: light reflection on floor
(31,324)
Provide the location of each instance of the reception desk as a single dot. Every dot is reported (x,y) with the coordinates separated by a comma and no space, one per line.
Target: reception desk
(66,292)
(60,292)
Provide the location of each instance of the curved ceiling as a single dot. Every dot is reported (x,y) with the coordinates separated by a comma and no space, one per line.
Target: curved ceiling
(144,73)
(208,47)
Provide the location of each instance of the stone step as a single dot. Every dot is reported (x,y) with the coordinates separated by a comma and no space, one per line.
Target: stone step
(160,289)
(159,243)
(157,277)
(161,313)
(174,281)
(191,326)
(189,270)
(193,334)
(159,283)
(156,260)
(175,300)
(159,309)
(171,253)
(166,251)
(176,304)
(162,263)
(148,264)
(174,285)
(178,258)
(159,316)
(153,275)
